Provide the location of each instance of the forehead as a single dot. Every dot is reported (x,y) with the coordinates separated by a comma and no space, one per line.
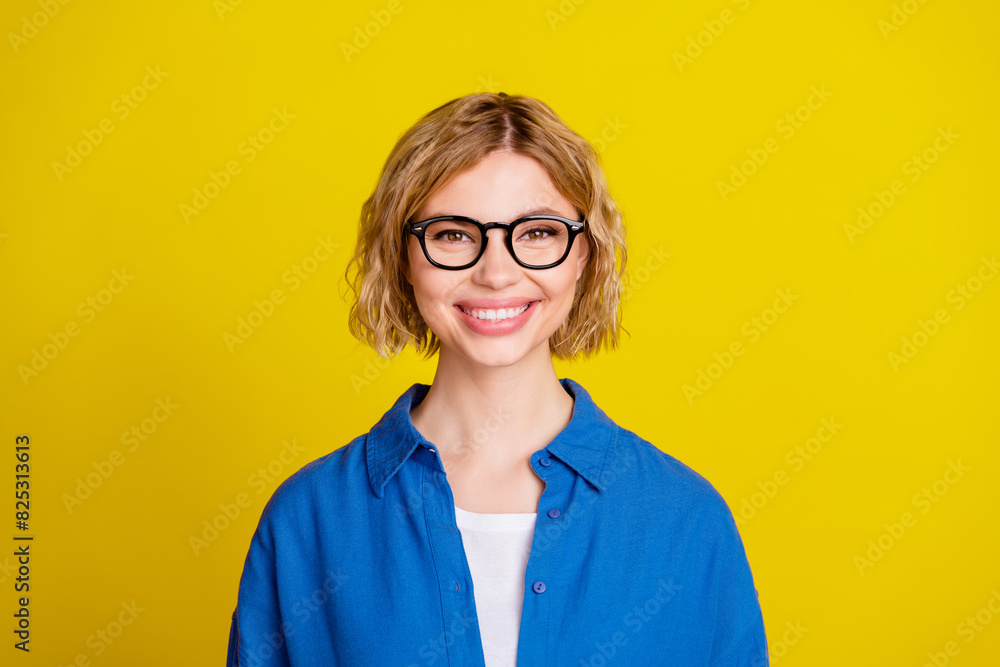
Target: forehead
(503,185)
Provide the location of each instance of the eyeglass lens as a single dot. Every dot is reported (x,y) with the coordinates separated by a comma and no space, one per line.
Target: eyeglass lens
(456,243)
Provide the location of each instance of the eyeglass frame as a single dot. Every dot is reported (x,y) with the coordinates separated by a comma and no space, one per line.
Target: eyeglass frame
(574,228)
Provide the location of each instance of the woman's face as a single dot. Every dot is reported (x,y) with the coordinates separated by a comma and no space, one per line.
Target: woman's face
(504,186)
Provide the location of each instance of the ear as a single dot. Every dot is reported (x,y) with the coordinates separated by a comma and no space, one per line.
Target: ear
(584,255)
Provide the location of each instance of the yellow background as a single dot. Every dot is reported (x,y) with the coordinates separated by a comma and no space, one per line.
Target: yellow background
(669,132)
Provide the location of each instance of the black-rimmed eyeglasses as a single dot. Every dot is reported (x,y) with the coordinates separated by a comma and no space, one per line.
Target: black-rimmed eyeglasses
(455,242)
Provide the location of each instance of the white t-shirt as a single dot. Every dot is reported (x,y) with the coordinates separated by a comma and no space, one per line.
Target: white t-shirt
(497,548)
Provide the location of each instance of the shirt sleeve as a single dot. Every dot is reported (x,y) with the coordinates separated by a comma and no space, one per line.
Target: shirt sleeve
(739,627)
(232,660)
(256,635)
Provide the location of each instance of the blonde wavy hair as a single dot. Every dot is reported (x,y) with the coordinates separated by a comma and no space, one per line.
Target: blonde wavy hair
(445,142)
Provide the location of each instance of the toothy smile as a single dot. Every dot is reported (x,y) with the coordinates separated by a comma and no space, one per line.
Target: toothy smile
(497,315)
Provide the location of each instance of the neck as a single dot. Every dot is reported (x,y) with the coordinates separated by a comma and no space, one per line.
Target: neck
(490,417)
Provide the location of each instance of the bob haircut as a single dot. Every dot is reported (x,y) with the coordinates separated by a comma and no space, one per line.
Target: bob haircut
(445,142)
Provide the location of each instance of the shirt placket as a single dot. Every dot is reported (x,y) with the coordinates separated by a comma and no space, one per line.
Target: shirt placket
(543,579)
(460,643)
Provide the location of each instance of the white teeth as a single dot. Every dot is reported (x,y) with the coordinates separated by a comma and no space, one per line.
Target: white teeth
(496,315)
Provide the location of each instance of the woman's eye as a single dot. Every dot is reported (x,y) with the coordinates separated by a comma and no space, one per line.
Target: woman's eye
(537,233)
(452,236)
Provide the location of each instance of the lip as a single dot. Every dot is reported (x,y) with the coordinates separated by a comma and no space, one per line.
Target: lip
(494,304)
(502,328)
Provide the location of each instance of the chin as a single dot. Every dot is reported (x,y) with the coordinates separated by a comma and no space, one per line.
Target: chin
(496,356)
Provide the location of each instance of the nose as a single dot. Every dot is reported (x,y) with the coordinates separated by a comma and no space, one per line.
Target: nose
(496,265)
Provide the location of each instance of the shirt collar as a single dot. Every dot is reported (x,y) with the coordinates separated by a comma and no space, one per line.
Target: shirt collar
(584,444)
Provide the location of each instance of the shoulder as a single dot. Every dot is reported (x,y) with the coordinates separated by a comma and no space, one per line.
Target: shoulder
(664,481)
(318,482)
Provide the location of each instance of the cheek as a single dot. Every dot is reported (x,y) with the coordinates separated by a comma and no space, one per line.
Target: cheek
(561,288)
(571,279)
(432,291)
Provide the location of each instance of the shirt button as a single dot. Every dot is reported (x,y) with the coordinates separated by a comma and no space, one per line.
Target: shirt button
(545,462)
(538,587)
(554,513)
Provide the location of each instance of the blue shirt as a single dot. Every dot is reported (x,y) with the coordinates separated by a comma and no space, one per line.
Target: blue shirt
(635,559)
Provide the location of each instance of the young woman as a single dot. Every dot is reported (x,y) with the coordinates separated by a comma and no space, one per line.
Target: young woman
(497,516)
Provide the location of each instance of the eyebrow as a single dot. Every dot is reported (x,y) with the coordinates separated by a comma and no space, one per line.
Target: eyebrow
(537,211)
